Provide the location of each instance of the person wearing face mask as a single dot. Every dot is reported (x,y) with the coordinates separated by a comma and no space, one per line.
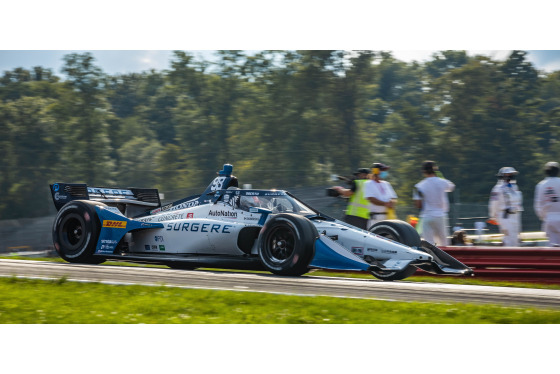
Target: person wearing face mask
(379,193)
(506,204)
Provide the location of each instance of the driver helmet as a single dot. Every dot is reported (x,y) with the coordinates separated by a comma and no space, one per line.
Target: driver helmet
(247,202)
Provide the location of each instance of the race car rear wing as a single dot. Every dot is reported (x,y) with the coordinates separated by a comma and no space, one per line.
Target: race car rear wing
(140,199)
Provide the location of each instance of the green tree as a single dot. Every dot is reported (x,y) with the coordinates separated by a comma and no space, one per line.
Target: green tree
(87,142)
(29,148)
(138,162)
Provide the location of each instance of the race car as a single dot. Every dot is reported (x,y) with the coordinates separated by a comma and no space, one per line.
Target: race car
(229,227)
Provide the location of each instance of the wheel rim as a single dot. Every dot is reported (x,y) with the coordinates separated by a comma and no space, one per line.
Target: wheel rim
(389,236)
(280,243)
(72,233)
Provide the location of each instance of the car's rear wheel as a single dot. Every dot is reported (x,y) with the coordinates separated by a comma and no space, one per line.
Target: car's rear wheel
(287,244)
(76,231)
(398,231)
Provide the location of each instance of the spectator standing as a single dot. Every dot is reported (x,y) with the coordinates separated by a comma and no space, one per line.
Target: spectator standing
(506,205)
(379,193)
(357,211)
(547,203)
(430,196)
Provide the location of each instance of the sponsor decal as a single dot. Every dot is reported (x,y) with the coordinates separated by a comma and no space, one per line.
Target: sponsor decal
(199,227)
(222,213)
(358,250)
(371,250)
(162,248)
(250,219)
(154,247)
(170,217)
(147,247)
(58,196)
(388,251)
(55,187)
(188,204)
(107,244)
(114,224)
(158,238)
(109,191)
(162,208)
(252,193)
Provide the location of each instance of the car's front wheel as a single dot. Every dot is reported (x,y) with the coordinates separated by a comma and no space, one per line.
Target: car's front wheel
(398,231)
(287,244)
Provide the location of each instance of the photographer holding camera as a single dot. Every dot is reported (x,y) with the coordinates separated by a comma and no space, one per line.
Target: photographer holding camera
(357,212)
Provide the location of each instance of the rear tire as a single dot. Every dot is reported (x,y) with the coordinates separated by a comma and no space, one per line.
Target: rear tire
(401,232)
(287,244)
(76,232)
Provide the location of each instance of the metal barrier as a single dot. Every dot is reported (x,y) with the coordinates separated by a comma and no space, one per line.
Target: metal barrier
(520,264)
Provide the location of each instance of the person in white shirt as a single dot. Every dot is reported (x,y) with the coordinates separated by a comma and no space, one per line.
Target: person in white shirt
(430,195)
(380,194)
(506,204)
(547,203)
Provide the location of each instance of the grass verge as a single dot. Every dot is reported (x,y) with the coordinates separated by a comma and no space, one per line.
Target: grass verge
(62,302)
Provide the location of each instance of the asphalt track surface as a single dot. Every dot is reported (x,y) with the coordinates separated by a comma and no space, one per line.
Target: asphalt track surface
(304,286)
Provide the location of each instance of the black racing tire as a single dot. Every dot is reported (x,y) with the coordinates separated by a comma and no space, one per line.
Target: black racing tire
(398,231)
(76,231)
(287,244)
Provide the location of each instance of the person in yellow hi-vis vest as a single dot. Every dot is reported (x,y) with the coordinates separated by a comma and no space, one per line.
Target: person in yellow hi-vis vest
(357,211)
(380,194)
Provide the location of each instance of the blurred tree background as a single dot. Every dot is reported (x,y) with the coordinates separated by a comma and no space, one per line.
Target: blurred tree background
(284,119)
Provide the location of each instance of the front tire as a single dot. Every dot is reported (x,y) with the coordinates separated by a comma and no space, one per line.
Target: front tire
(287,244)
(76,232)
(401,232)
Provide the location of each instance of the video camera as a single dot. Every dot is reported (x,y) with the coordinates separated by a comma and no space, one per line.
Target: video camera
(332,192)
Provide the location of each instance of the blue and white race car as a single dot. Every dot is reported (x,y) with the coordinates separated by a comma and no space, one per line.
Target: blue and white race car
(228,227)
